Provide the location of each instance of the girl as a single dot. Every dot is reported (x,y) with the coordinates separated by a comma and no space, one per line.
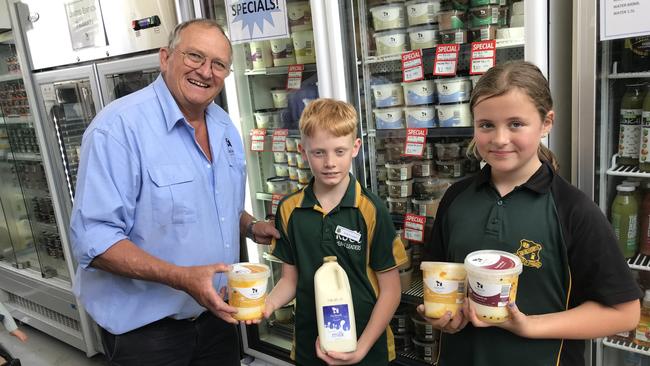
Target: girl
(575,284)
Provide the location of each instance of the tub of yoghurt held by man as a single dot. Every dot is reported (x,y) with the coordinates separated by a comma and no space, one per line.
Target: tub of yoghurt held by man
(492,278)
(247,283)
(444,287)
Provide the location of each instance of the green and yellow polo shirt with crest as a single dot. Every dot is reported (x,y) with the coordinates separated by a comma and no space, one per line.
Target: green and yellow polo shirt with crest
(360,233)
(569,255)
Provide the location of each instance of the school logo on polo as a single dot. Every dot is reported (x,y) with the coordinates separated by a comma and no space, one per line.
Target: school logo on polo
(348,238)
(529,253)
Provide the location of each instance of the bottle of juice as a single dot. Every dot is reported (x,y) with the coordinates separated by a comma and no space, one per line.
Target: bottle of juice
(644,143)
(334,308)
(630,124)
(642,334)
(625,220)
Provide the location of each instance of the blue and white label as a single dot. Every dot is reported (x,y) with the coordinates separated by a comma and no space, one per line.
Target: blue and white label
(250,20)
(336,322)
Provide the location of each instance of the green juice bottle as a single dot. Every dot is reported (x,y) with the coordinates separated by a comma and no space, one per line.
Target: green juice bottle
(625,213)
(644,144)
(629,136)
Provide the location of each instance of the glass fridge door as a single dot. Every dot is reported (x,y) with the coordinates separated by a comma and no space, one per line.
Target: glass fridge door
(123,77)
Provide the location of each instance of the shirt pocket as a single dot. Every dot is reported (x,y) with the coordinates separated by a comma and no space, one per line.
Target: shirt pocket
(238,180)
(172,194)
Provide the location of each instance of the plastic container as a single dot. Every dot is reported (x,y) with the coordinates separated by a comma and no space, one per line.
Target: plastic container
(428,150)
(388,95)
(405,277)
(444,287)
(447,151)
(281,169)
(280,157)
(420,116)
(247,284)
(293,186)
(300,162)
(422,168)
(398,206)
(429,187)
(388,118)
(454,168)
(382,172)
(303,46)
(299,15)
(260,54)
(390,42)
(304,175)
(453,90)
(334,305)
(483,33)
(394,151)
(451,19)
(292,144)
(419,92)
(423,36)
(452,36)
(400,189)
(267,118)
(492,277)
(293,173)
(426,351)
(425,207)
(454,115)
(424,332)
(484,15)
(282,52)
(380,158)
(403,342)
(401,323)
(399,171)
(422,11)
(390,16)
(291,158)
(279,98)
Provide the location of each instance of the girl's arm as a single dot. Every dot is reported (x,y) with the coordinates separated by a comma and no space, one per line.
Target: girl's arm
(588,320)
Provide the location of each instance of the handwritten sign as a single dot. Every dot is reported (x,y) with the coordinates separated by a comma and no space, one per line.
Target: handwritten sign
(85,24)
(414,227)
(415,140)
(257,139)
(412,68)
(482,57)
(446,60)
(294,78)
(279,140)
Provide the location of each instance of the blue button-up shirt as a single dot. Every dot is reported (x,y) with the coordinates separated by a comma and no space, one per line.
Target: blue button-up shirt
(143,177)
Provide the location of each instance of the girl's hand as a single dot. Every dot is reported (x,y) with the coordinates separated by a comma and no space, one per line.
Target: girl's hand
(269,308)
(340,358)
(20,335)
(517,323)
(447,323)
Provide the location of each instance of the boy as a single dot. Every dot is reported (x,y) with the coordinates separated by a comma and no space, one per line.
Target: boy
(335,215)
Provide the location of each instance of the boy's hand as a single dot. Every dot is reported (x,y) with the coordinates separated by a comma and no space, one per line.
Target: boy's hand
(447,323)
(340,358)
(269,308)
(20,335)
(518,323)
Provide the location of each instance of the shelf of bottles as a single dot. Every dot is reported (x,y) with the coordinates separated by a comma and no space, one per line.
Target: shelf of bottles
(625,345)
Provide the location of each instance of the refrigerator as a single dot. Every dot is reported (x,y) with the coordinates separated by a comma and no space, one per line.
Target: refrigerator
(341,59)
(56,73)
(607,63)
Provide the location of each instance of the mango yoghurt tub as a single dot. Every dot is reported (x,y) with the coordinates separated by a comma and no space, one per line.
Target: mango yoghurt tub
(247,284)
(492,276)
(444,287)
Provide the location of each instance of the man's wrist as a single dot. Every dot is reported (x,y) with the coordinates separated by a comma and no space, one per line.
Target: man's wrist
(249,229)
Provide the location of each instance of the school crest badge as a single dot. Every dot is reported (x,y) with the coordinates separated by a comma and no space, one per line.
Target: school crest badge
(529,253)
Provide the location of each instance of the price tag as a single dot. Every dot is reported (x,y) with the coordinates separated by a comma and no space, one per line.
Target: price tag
(275,201)
(482,57)
(294,78)
(412,68)
(414,227)
(415,140)
(446,59)
(257,139)
(279,140)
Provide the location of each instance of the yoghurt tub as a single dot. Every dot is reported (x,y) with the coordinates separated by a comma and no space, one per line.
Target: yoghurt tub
(388,118)
(261,54)
(388,95)
(303,45)
(454,115)
(283,52)
(247,283)
(420,116)
(453,90)
(279,98)
(299,15)
(492,277)
(419,92)
(292,143)
(444,287)
(390,42)
(277,185)
(422,11)
(425,36)
(279,157)
(388,16)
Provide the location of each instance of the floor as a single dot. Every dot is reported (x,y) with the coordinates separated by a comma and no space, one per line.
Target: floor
(43,350)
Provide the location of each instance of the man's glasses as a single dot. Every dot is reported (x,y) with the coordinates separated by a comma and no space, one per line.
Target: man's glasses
(196,60)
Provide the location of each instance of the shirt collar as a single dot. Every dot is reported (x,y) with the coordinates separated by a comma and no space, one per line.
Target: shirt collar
(351,197)
(168,104)
(539,182)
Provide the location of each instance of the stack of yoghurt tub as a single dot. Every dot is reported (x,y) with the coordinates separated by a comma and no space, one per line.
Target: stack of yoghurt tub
(292,172)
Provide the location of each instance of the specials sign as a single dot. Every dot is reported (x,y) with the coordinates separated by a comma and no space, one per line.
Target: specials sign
(253,20)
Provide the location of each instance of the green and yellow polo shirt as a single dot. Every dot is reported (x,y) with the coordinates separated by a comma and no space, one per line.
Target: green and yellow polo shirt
(308,234)
(569,255)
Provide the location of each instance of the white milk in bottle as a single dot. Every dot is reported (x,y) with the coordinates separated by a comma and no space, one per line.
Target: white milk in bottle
(334,308)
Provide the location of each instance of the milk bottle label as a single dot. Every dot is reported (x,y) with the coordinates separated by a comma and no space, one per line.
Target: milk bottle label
(336,322)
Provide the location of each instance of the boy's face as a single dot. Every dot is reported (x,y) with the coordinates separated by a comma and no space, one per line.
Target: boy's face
(329,157)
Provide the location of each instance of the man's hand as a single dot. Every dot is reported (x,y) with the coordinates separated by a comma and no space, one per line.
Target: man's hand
(264,232)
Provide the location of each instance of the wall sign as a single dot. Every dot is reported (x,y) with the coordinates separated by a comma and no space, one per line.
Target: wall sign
(252,20)
(624,19)
(85,24)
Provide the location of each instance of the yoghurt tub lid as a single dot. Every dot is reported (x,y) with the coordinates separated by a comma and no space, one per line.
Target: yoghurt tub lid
(390,32)
(386,6)
(422,27)
(431,266)
(250,271)
(447,80)
(493,262)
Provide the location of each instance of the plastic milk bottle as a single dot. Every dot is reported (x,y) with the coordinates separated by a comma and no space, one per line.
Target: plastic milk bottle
(334,309)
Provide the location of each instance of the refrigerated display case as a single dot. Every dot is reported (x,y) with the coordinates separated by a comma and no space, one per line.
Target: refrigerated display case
(603,71)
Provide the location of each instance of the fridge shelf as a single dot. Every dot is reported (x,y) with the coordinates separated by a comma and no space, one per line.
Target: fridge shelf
(630,75)
(278,70)
(10,77)
(410,358)
(263,196)
(639,262)
(626,346)
(431,132)
(24,156)
(625,170)
(415,293)
(18,120)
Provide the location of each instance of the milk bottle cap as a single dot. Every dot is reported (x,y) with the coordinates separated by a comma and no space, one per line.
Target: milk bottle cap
(329,258)
(624,188)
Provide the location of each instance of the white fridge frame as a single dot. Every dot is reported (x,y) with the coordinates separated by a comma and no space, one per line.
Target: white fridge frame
(131,64)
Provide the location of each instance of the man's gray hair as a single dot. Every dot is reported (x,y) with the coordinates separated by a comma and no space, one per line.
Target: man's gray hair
(175,36)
